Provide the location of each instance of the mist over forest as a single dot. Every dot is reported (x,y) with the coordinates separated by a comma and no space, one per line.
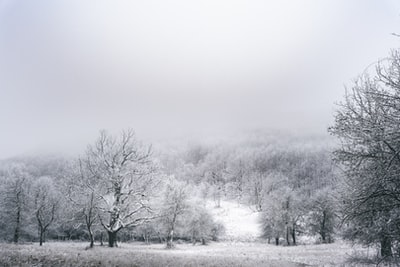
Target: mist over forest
(183,180)
(199,133)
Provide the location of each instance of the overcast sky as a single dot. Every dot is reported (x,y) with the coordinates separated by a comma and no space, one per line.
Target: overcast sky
(168,68)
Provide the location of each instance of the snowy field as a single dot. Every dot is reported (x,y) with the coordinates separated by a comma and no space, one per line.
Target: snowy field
(138,254)
(241,221)
(240,246)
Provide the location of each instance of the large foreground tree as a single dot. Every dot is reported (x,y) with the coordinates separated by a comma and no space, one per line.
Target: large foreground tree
(368,126)
(121,175)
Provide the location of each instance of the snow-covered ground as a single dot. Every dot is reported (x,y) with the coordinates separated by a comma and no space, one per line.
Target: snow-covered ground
(240,221)
(221,254)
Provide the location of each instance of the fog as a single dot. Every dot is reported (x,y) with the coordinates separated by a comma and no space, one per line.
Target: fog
(173,68)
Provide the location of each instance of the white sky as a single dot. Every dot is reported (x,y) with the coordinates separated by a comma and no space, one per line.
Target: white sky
(167,68)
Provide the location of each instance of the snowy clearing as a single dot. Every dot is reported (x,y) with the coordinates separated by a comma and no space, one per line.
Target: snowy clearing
(240,221)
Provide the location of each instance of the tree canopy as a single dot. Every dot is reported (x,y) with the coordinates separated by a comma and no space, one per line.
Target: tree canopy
(367,124)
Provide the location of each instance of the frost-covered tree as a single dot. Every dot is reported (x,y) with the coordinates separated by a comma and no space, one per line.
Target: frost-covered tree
(201,226)
(215,171)
(124,176)
(323,216)
(367,124)
(238,171)
(174,205)
(264,175)
(258,178)
(15,182)
(81,187)
(272,220)
(45,204)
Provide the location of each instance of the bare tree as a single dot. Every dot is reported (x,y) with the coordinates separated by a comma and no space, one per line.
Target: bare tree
(368,126)
(124,176)
(262,179)
(238,170)
(14,200)
(272,220)
(45,204)
(323,214)
(201,225)
(81,192)
(174,205)
(215,170)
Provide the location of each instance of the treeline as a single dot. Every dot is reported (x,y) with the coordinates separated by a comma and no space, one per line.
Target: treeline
(115,188)
(293,182)
(122,187)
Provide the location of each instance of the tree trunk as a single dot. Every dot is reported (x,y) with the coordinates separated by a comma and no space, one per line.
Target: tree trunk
(160,237)
(287,235)
(294,234)
(101,239)
(170,241)
(41,237)
(91,239)
(323,232)
(323,237)
(89,221)
(277,241)
(17,225)
(386,246)
(170,238)
(218,197)
(112,239)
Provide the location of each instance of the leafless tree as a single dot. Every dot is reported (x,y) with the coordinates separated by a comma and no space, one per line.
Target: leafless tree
(123,175)
(174,205)
(368,125)
(14,197)
(45,205)
(81,193)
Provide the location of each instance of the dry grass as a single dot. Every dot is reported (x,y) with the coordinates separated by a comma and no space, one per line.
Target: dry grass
(137,254)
